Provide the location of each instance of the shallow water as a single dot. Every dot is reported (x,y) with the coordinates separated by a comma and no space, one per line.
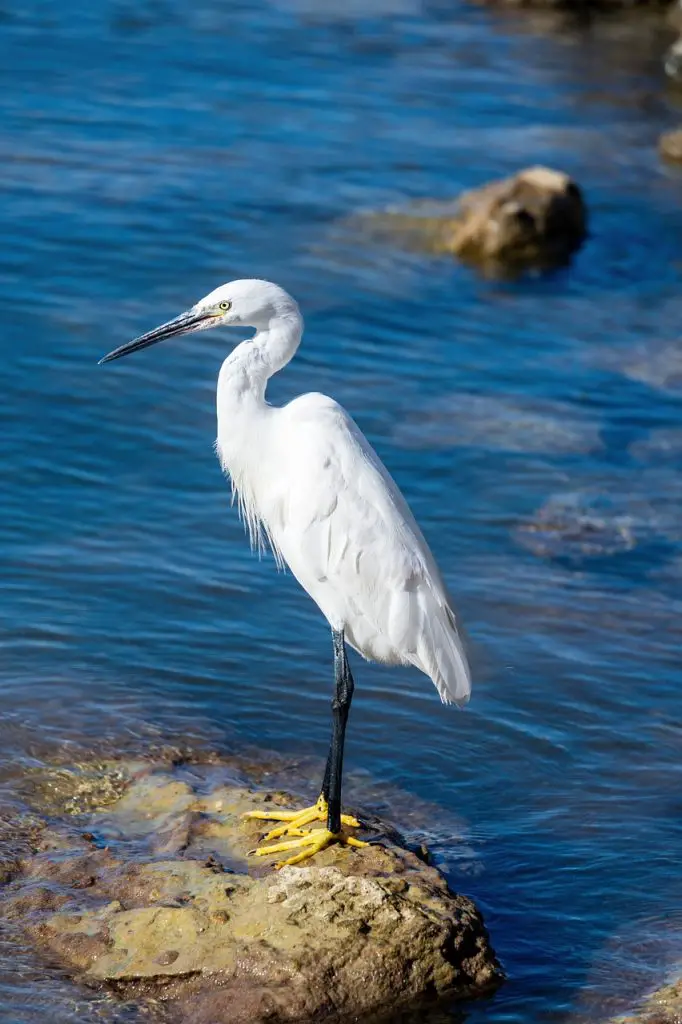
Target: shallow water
(153,150)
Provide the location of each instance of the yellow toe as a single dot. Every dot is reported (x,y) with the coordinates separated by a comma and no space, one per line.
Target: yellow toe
(297,836)
(294,820)
(308,844)
(291,844)
(291,825)
(318,840)
(272,815)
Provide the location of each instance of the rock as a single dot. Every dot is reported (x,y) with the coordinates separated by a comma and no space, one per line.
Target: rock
(662,1007)
(579,8)
(538,214)
(672,62)
(536,218)
(670,143)
(578,525)
(81,787)
(611,520)
(157,897)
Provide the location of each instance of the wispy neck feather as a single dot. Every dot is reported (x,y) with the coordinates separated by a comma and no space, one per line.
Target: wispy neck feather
(244,420)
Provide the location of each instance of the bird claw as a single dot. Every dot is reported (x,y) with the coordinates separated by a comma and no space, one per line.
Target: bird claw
(313,841)
(294,821)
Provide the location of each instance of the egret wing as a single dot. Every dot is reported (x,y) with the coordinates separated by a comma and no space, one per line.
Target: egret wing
(353,543)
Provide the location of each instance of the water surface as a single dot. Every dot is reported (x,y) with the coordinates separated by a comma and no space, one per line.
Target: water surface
(152,151)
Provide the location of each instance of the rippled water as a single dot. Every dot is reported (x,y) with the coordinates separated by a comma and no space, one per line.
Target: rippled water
(151,151)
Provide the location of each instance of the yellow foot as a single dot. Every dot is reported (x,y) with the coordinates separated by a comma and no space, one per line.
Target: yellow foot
(296,820)
(312,842)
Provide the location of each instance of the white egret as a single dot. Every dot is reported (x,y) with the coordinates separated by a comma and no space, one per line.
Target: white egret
(310,485)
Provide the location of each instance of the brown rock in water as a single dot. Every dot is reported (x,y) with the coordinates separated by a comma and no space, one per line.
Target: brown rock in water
(539,214)
(536,218)
(670,145)
(579,525)
(157,897)
(580,8)
(662,1007)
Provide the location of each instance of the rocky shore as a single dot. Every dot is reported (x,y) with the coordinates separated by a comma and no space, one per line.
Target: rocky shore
(139,877)
(664,1006)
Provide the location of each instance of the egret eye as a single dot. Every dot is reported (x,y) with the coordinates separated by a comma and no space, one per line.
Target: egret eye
(224,306)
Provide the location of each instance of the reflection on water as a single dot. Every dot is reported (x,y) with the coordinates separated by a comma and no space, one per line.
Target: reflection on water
(151,152)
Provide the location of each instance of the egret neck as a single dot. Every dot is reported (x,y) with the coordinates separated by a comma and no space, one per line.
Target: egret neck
(248,368)
(244,441)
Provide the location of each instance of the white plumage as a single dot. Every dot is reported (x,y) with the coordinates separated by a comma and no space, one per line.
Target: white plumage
(309,482)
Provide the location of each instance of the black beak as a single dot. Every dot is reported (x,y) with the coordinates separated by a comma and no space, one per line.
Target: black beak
(183,324)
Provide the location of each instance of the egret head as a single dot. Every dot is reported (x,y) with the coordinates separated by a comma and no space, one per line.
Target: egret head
(247,303)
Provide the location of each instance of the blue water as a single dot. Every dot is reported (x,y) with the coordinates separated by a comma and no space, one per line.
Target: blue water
(153,150)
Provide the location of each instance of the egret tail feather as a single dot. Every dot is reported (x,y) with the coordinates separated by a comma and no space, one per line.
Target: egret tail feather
(442,656)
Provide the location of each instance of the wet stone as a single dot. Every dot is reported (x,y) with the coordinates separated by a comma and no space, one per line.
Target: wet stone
(578,525)
(533,220)
(670,144)
(79,788)
(156,896)
(664,1006)
(570,6)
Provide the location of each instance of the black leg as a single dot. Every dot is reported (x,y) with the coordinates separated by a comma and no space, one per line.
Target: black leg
(328,767)
(343,694)
(327,773)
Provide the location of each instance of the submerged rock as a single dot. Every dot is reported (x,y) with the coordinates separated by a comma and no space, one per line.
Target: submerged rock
(79,788)
(537,218)
(672,64)
(672,60)
(158,897)
(578,525)
(582,7)
(662,1007)
(670,143)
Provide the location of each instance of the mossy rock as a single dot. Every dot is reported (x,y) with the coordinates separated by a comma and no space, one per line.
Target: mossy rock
(143,881)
